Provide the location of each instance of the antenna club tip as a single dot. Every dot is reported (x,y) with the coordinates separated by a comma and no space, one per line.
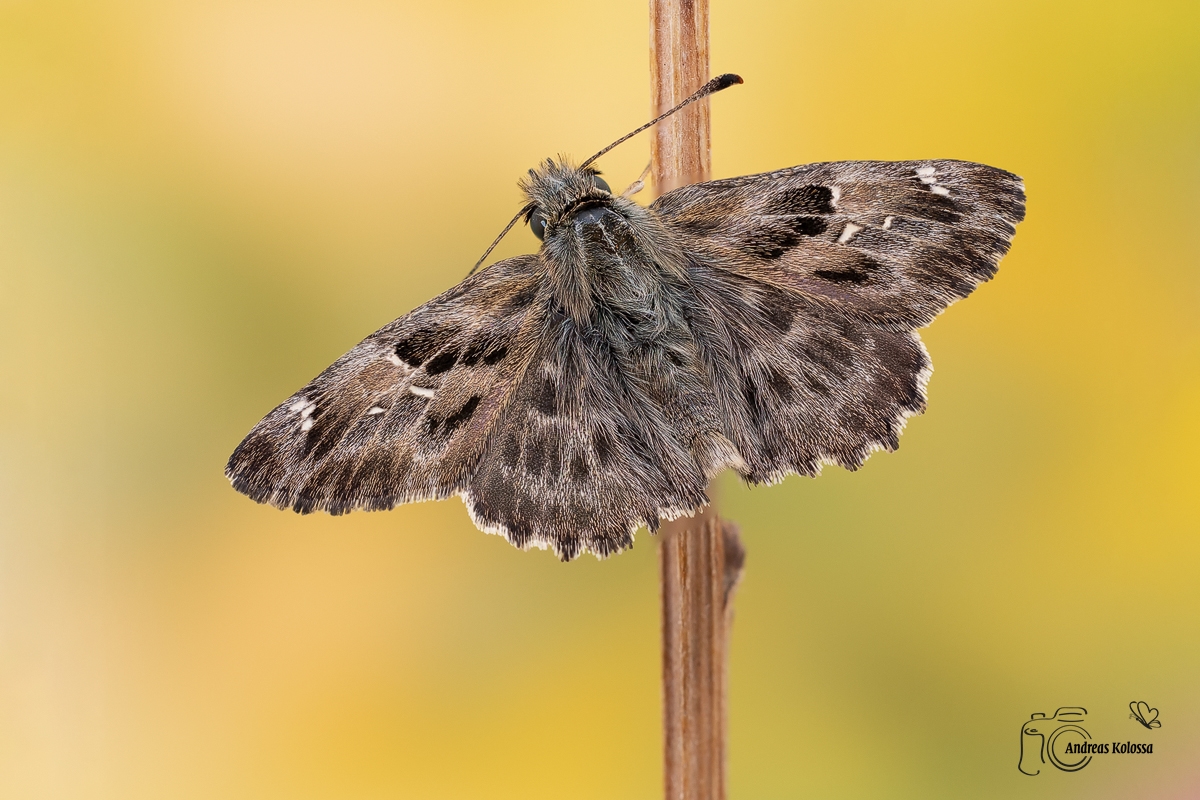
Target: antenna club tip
(725,81)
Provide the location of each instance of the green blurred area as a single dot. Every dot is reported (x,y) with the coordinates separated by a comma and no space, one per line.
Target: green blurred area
(203,204)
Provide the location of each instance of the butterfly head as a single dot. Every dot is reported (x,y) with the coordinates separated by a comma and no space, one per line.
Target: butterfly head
(557,191)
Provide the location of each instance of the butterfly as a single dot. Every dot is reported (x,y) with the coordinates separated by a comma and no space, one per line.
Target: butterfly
(764,323)
(1144,714)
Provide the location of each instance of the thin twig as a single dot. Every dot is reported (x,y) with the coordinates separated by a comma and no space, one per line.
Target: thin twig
(700,559)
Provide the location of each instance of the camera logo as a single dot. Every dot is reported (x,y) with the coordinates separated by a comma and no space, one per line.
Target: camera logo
(1050,740)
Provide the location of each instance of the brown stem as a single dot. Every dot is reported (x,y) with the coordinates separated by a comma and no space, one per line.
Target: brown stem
(679,66)
(700,561)
(700,558)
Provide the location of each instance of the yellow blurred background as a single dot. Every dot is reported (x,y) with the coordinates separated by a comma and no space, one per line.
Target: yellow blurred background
(202,204)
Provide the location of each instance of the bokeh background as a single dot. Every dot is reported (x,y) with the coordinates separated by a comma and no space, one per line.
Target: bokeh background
(202,204)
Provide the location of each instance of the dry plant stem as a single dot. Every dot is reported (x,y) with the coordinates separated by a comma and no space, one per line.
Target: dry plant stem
(700,561)
(700,558)
(680,146)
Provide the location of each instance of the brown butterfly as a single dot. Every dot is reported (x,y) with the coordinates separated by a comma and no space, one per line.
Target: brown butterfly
(765,323)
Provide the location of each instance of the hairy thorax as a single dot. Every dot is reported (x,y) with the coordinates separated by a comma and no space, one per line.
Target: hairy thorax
(604,255)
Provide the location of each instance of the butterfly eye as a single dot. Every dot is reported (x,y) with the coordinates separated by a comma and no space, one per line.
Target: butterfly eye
(537,224)
(603,184)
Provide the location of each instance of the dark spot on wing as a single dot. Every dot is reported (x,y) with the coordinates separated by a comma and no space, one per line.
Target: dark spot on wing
(254,465)
(535,455)
(331,485)
(941,268)
(306,502)
(751,395)
(419,345)
(978,251)
(472,355)
(912,228)
(904,361)
(806,226)
(545,398)
(485,509)
(703,225)
(852,267)
(828,352)
(778,308)
(488,349)
(847,275)
(772,238)
(462,415)
(579,467)
(376,467)
(603,445)
(930,206)
(770,242)
(445,428)
(519,531)
(442,362)
(510,451)
(815,383)
(519,300)
(326,432)
(496,356)
(801,200)
(779,384)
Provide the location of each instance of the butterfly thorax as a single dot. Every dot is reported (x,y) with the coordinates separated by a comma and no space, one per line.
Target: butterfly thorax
(603,253)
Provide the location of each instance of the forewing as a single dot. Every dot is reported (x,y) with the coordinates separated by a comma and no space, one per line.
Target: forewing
(888,243)
(406,414)
(809,285)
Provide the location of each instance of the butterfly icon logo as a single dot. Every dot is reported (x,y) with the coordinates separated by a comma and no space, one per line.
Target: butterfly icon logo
(1144,714)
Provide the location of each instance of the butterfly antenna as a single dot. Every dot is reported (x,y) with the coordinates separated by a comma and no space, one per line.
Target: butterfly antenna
(715,85)
(507,228)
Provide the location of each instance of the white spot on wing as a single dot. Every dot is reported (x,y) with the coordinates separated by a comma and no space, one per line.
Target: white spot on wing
(374,410)
(837,195)
(395,359)
(304,407)
(421,391)
(927,176)
(887,222)
(848,232)
(306,425)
